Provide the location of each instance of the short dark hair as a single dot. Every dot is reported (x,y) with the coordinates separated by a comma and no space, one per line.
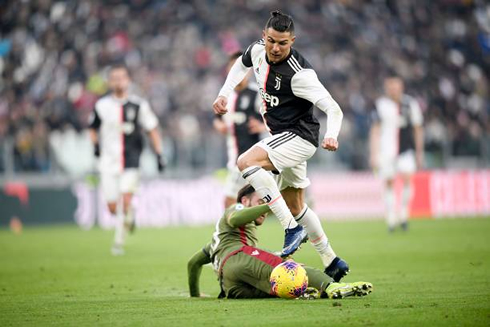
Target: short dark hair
(244,191)
(119,66)
(235,56)
(280,22)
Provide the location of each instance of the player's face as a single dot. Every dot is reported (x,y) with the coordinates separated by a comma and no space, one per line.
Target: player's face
(277,44)
(119,80)
(394,88)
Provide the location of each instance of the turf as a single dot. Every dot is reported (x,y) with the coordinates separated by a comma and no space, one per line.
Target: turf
(436,274)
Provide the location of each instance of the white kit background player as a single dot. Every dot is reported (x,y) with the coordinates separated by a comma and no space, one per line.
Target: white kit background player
(242,126)
(397,147)
(289,88)
(116,127)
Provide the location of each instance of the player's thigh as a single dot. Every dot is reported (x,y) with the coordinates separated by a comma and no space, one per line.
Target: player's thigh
(294,177)
(129,181)
(234,182)
(387,167)
(110,187)
(406,164)
(287,150)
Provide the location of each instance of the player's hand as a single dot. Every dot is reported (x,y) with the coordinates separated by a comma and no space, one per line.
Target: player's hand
(255,126)
(219,105)
(330,144)
(161,163)
(220,126)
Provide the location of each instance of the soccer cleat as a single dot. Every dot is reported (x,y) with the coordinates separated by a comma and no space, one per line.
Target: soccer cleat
(337,269)
(404,226)
(310,293)
(362,288)
(130,226)
(342,290)
(293,239)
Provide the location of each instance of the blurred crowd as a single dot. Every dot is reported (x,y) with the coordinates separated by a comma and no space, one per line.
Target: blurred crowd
(54,56)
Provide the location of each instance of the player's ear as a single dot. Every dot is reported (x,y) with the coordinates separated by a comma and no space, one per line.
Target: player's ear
(293,38)
(263,34)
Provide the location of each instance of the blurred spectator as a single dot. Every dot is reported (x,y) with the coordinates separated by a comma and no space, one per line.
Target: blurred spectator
(54,54)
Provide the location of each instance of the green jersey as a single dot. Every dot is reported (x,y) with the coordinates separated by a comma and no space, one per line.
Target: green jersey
(235,229)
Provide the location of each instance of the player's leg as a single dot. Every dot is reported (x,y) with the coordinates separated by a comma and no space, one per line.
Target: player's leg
(244,276)
(266,156)
(129,184)
(387,173)
(110,189)
(292,183)
(406,167)
(327,288)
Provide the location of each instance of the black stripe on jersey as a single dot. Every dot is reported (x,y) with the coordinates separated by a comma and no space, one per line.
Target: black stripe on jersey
(248,173)
(282,137)
(289,138)
(94,120)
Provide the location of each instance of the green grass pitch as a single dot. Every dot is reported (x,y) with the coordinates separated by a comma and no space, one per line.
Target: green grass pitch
(436,274)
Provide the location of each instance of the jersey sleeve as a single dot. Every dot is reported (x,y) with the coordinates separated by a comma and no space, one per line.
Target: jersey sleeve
(416,113)
(247,56)
(241,215)
(147,118)
(94,121)
(305,85)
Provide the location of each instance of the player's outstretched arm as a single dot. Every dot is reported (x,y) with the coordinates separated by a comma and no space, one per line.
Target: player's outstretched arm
(194,268)
(246,215)
(374,138)
(305,84)
(237,73)
(156,143)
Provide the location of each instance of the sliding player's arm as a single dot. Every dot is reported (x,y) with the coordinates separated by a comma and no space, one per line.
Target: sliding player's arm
(242,216)
(194,268)
(305,84)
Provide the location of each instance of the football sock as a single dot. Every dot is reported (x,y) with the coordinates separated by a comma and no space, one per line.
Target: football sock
(310,221)
(265,185)
(120,231)
(406,197)
(389,195)
(129,215)
(317,278)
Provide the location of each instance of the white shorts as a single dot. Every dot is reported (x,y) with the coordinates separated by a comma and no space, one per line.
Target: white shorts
(113,185)
(404,163)
(234,182)
(288,153)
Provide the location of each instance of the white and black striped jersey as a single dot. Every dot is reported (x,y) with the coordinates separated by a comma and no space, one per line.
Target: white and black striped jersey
(120,124)
(397,121)
(289,90)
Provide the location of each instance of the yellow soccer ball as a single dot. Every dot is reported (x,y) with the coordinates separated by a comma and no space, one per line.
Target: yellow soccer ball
(288,280)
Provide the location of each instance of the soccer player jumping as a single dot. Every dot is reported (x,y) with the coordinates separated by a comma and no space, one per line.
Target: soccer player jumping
(289,88)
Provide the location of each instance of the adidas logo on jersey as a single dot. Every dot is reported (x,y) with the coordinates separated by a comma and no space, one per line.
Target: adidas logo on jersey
(271,99)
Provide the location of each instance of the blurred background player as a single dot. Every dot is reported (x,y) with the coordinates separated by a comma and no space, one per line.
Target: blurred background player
(244,270)
(116,127)
(290,89)
(242,127)
(397,147)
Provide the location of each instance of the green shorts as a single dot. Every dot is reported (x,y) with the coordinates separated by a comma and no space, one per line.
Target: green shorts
(245,273)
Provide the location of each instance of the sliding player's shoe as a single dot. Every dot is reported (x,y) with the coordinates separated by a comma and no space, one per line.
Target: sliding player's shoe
(362,288)
(311,293)
(293,239)
(337,269)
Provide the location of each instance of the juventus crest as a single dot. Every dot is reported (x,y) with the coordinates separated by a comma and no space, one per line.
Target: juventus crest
(278,82)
